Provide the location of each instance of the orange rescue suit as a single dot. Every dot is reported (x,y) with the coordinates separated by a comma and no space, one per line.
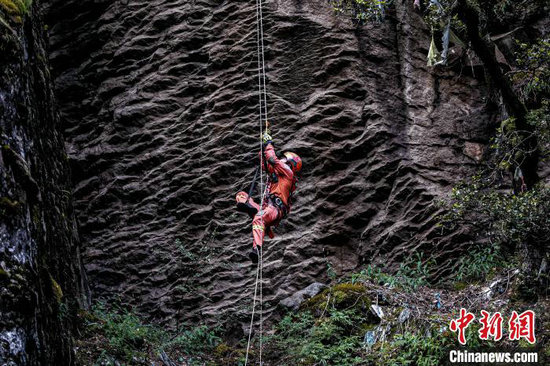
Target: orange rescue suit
(281,184)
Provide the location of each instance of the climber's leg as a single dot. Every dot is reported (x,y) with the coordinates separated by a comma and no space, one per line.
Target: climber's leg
(253,203)
(260,224)
(264,218)
(246,204)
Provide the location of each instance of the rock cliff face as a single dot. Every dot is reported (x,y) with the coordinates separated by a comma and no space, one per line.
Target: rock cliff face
(41,286)
(160,110)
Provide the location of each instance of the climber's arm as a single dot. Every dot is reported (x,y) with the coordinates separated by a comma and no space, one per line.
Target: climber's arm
(275,163)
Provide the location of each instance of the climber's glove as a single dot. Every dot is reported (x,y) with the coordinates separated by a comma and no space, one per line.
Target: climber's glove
(266,138)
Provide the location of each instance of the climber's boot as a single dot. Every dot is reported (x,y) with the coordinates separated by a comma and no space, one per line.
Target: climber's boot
(243,204)
(254,254)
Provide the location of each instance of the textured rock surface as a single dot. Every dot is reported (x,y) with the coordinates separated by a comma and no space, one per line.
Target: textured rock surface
(40,279)
(159,104)
(296,299)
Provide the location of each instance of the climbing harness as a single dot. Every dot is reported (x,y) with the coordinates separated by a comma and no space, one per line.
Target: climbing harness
(281,207)
(262,93)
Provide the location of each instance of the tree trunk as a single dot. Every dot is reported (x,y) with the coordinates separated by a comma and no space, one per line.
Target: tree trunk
(515,107)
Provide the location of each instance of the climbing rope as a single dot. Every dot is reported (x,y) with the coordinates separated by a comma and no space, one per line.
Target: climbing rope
(262,53)
(262,93)
(253,311)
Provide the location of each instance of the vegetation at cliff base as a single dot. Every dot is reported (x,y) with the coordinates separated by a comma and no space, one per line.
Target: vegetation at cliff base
(332,339)
(370,322)
(408,277)
(115,335)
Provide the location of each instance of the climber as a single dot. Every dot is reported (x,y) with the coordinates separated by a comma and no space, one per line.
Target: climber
(281,184)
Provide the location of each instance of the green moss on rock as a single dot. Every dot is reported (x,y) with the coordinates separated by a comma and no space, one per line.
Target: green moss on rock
(5,202)
(36,217)
(342,295)
(346,291)
(460,285)
(57,291)
(8,207)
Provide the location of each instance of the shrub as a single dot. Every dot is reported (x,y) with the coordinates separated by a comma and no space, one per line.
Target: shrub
(506,219)
(532,78)
(113,335)
(16,7)
(332,339)
(425,346)
(478,263)
(509,149)
(361,10)
(409,277)
(508,227)
(415,349)
(128,337)
(196,341)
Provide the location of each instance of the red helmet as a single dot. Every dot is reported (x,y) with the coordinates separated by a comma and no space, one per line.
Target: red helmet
(294,160)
